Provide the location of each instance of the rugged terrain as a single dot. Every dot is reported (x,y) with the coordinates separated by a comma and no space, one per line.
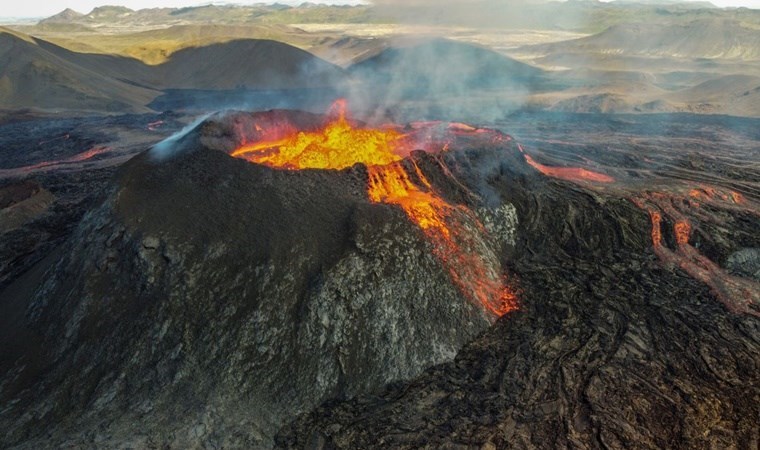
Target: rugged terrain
(521,238)
(258,290)
(610,344)
(643,59)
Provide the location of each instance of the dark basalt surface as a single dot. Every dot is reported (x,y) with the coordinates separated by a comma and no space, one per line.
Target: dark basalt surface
(610,350)
(207,302)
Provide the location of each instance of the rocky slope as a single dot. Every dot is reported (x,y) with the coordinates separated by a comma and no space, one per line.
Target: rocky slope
(209,300)
(609,349)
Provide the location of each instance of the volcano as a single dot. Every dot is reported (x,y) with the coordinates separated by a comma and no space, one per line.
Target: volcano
(262,283)
(303,280)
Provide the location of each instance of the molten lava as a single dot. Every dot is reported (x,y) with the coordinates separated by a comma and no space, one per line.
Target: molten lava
(78,158)
(738,294)
(450,228)
(337,146)
(682,230)
(567,173)
(712,194)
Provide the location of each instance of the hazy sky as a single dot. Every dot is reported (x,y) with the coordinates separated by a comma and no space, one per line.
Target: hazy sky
(44,8)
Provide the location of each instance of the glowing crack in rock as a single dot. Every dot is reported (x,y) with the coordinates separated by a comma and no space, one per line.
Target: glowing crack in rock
(453,230)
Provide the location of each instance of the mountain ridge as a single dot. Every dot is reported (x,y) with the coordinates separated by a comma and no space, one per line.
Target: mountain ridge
(37,73)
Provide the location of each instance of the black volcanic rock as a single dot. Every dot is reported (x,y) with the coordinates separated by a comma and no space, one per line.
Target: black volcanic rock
(609,350)
(209,300)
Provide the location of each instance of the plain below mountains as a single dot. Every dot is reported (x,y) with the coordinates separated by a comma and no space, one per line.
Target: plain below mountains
(38,74)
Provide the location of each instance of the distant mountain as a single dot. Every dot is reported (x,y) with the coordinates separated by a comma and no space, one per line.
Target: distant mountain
(249,63)
(67,15)
(584,16)
(109,13)
(708,38)
(681,3)
(35,73)
(440,66)
(217,14)
(47,77)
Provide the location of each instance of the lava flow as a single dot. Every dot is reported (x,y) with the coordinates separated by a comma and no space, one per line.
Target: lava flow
(738,294)
(452,229)
(567,173)
(79,157)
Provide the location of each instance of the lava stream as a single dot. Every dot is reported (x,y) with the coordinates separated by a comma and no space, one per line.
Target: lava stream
(452,229)
(567,173)
(79,157)
(738,294)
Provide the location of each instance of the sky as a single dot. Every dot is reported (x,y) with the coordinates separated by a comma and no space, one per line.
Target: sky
(45,8)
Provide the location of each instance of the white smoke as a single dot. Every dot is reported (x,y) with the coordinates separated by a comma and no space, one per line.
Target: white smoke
(169,146)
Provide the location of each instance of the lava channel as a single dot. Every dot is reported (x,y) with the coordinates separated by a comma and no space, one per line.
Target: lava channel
(576,174)
(452,229)
(78,158)
(738,294)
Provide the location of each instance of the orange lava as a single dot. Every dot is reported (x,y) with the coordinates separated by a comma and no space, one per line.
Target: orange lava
(709,193)
(341,144)
(656,218)
(736,293)
(568,173)
(737,198)
(80,157)
(337,146)
(682,230)
(444,224)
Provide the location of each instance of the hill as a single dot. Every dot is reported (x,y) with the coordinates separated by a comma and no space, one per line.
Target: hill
(250,63)
(39,74)
(709,38)
(439,66)
(47,77)
(67,15)
(732,94)
(121,17)
(157,45)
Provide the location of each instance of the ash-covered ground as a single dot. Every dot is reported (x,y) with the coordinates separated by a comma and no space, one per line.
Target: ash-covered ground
(206,301)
